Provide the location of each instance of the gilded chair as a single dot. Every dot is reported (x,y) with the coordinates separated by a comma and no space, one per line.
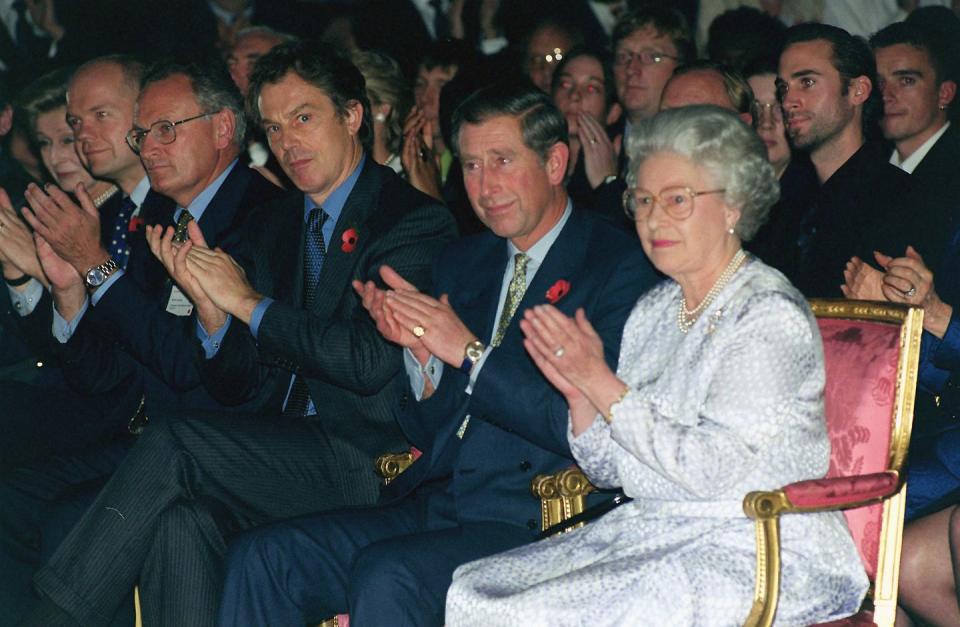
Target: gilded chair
(871,351)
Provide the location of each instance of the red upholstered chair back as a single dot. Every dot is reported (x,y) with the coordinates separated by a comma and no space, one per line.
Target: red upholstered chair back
(861,361)
(871,352)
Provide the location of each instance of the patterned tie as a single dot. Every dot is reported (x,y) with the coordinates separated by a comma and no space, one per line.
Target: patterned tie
(180,231)
(518,285)
(314,250)
(119,248)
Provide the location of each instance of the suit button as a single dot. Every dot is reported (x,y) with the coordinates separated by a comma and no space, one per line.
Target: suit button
(531,524)
(524,465)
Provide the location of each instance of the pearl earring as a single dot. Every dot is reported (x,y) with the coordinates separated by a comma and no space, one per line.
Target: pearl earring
(380,117)
(730,230)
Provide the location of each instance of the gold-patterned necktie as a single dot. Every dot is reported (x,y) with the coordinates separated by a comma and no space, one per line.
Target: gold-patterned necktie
(180,232)
(518,285)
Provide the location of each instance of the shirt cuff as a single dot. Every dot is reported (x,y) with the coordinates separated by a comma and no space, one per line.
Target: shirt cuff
(418,375)
(257,316)
(26,301)
(590,439)
(62,329)
(211,343)
(475,371)
(100,291)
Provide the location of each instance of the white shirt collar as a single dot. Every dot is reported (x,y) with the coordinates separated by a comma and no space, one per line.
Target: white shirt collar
(139,193)
(910,164)
(539,251)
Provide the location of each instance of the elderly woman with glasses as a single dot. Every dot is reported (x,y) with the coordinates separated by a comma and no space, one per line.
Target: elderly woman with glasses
(718,391)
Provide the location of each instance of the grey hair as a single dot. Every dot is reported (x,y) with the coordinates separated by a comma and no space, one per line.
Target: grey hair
(213,89)
(720,142)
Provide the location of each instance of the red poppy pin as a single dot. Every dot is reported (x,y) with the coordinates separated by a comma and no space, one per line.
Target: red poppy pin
(349,239)
(135,223)
(558,290)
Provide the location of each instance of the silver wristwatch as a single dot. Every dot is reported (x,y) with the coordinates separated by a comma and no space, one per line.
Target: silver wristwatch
(95,276)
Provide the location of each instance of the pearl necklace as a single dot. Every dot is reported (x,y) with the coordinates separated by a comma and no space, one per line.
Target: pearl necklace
(687,317)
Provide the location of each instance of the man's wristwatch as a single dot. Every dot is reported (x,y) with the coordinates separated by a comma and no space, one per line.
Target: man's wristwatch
(471,355)
(95,276)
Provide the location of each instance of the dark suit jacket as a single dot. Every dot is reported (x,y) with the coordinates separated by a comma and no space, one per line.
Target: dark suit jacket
(128,342)
(864,206)
(937,186)
(518,421)
(351,371)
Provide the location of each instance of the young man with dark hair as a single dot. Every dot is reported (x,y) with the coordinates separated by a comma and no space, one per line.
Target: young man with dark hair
(827,86)
(917,80)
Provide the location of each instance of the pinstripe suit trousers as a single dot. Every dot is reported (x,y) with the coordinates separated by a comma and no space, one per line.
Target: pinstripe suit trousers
(164,517)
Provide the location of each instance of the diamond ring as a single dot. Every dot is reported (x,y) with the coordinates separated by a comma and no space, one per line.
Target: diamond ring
(910,293)
(419,331)
(559,352)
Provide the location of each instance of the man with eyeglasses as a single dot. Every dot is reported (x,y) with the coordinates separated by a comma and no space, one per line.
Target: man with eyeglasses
(121,328)
(826,81)
(289,335)
(648,44)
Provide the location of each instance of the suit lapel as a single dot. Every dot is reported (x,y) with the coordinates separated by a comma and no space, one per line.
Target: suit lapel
(285,254)
(479,292)
(220,212)
(564,258)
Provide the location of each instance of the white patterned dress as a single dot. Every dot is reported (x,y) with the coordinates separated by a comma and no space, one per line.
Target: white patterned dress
(732,406)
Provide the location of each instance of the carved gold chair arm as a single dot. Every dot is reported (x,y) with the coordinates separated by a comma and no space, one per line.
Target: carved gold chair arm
(822,495)
(562,495)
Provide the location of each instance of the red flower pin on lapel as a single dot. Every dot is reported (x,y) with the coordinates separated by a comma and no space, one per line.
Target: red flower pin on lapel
(557,291)
(349,238)
(135,223)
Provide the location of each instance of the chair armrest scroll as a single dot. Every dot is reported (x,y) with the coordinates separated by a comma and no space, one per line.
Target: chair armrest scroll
(390,465)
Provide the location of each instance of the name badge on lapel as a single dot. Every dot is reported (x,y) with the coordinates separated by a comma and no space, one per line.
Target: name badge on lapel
(179,304)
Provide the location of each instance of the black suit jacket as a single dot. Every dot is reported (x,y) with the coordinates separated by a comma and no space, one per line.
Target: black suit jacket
(936,183)
(128,342)
(865,206)
(517,421)
(351,371)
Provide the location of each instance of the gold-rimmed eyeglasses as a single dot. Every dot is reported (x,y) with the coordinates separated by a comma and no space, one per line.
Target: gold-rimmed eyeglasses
(676,202)
(164,131)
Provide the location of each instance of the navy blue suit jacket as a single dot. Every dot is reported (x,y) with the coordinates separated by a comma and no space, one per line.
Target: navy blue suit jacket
(518,421)
(128,341)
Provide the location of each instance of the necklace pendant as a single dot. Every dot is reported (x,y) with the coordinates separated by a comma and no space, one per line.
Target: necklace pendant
(714,321)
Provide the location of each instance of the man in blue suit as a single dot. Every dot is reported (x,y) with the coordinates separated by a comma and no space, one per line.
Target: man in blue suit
(123,331)
(486,420)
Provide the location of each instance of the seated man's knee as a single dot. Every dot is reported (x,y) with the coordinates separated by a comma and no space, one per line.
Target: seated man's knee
(256,553)
(379,570)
